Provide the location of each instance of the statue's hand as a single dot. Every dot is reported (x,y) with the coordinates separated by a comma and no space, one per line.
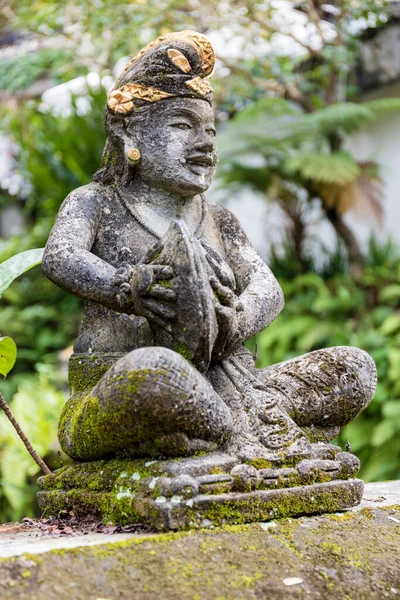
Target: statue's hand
(152,294)
(226,308)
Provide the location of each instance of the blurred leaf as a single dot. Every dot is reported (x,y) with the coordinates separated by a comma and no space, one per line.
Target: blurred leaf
(8,355)
(336,167)
(384,431)
(391,409)
(17,265)
(390,292)
(390,324)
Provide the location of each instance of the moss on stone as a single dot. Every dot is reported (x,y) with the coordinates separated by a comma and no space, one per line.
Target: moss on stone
(104,488)
(164,283)
(260,463)
(88,430)
(86,370)
(184,351)
(355,559)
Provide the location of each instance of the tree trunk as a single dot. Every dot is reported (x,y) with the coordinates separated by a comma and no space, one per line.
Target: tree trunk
(345,233)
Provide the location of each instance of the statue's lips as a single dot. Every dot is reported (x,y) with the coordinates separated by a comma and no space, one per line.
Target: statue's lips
(200,160)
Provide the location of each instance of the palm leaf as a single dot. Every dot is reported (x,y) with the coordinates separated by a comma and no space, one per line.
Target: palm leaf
(347,116)
(336,167)
(365,195)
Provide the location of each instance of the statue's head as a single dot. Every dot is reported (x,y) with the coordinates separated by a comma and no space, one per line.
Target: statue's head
(159,117)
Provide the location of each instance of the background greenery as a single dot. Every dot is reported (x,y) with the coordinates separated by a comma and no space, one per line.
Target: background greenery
(282,122)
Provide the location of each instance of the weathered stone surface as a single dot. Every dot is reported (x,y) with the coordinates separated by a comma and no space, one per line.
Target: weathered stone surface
(173,289)
(210,490)
(352,555)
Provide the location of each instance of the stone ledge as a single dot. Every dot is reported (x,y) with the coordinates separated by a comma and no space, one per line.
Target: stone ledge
(352,555)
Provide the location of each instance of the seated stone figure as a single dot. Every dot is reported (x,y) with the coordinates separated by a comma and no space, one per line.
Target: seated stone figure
(173,289)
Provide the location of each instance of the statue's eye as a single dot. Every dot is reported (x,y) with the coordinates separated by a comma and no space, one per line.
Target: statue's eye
(181,125)
(211,132)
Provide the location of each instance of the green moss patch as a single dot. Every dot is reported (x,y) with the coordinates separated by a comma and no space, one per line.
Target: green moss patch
(354,557)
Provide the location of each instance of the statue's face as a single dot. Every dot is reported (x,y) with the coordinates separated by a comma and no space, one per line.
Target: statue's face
(177,146)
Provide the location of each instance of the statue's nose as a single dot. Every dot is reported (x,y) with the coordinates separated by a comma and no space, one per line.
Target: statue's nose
(205,144)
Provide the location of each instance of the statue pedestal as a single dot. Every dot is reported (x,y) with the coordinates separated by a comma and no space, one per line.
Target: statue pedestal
(203,491)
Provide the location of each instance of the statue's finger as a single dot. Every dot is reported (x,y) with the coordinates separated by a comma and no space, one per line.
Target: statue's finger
(163,271)
(159,308)
(145,280)
(153,252)
(223,312)
(215,263)
(224,294)
(162,292)
(157,321)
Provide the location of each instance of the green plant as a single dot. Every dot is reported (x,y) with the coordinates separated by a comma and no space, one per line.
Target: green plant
(10,270)
(286,155)
(37,405)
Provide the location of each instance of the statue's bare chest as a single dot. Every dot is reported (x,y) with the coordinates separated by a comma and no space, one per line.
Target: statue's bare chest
(120,237)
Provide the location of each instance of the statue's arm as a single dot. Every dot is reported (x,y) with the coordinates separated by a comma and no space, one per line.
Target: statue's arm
(68,260)
(259,292)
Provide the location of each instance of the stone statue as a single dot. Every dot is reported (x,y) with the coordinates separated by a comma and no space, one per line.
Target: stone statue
(172,290)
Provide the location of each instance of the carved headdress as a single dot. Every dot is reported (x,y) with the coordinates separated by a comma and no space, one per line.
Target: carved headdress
(174,65)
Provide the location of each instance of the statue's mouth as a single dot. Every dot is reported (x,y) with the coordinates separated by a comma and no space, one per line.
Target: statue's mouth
(200,160)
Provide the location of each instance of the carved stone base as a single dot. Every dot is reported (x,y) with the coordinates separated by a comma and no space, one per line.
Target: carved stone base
(204,491)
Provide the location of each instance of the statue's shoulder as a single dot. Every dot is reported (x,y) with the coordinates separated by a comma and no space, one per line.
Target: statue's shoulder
(228,224)
(92,193)
(87,200)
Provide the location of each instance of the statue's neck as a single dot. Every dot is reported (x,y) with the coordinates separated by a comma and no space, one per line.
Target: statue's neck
(165,203)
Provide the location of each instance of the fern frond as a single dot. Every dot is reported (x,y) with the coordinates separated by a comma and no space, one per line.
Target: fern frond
(338,167)
(273,107)
(383,105)
(347,116)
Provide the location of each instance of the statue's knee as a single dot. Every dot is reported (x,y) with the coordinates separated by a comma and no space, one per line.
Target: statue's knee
(358,371)
(152,369)
(160,389)
(356,384)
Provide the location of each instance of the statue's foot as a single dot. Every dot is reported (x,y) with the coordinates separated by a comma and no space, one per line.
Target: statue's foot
(249,449)
(203,491)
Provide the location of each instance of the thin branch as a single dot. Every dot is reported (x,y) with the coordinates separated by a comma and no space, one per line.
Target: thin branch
(312,51)
(45,469)
(273,28)
(315,18)
(294,94)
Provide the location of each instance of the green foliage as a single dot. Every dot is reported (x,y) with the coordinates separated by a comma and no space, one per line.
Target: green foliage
(57,155)
(19,72)
(360,310)
(17,265)
(36,406)
(273,140)
(272,126)
(8,355)
(336,167)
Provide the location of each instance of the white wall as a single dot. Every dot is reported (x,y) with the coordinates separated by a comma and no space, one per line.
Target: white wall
(380,142)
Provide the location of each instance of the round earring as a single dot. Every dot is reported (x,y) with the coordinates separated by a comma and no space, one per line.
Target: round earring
(133,156)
